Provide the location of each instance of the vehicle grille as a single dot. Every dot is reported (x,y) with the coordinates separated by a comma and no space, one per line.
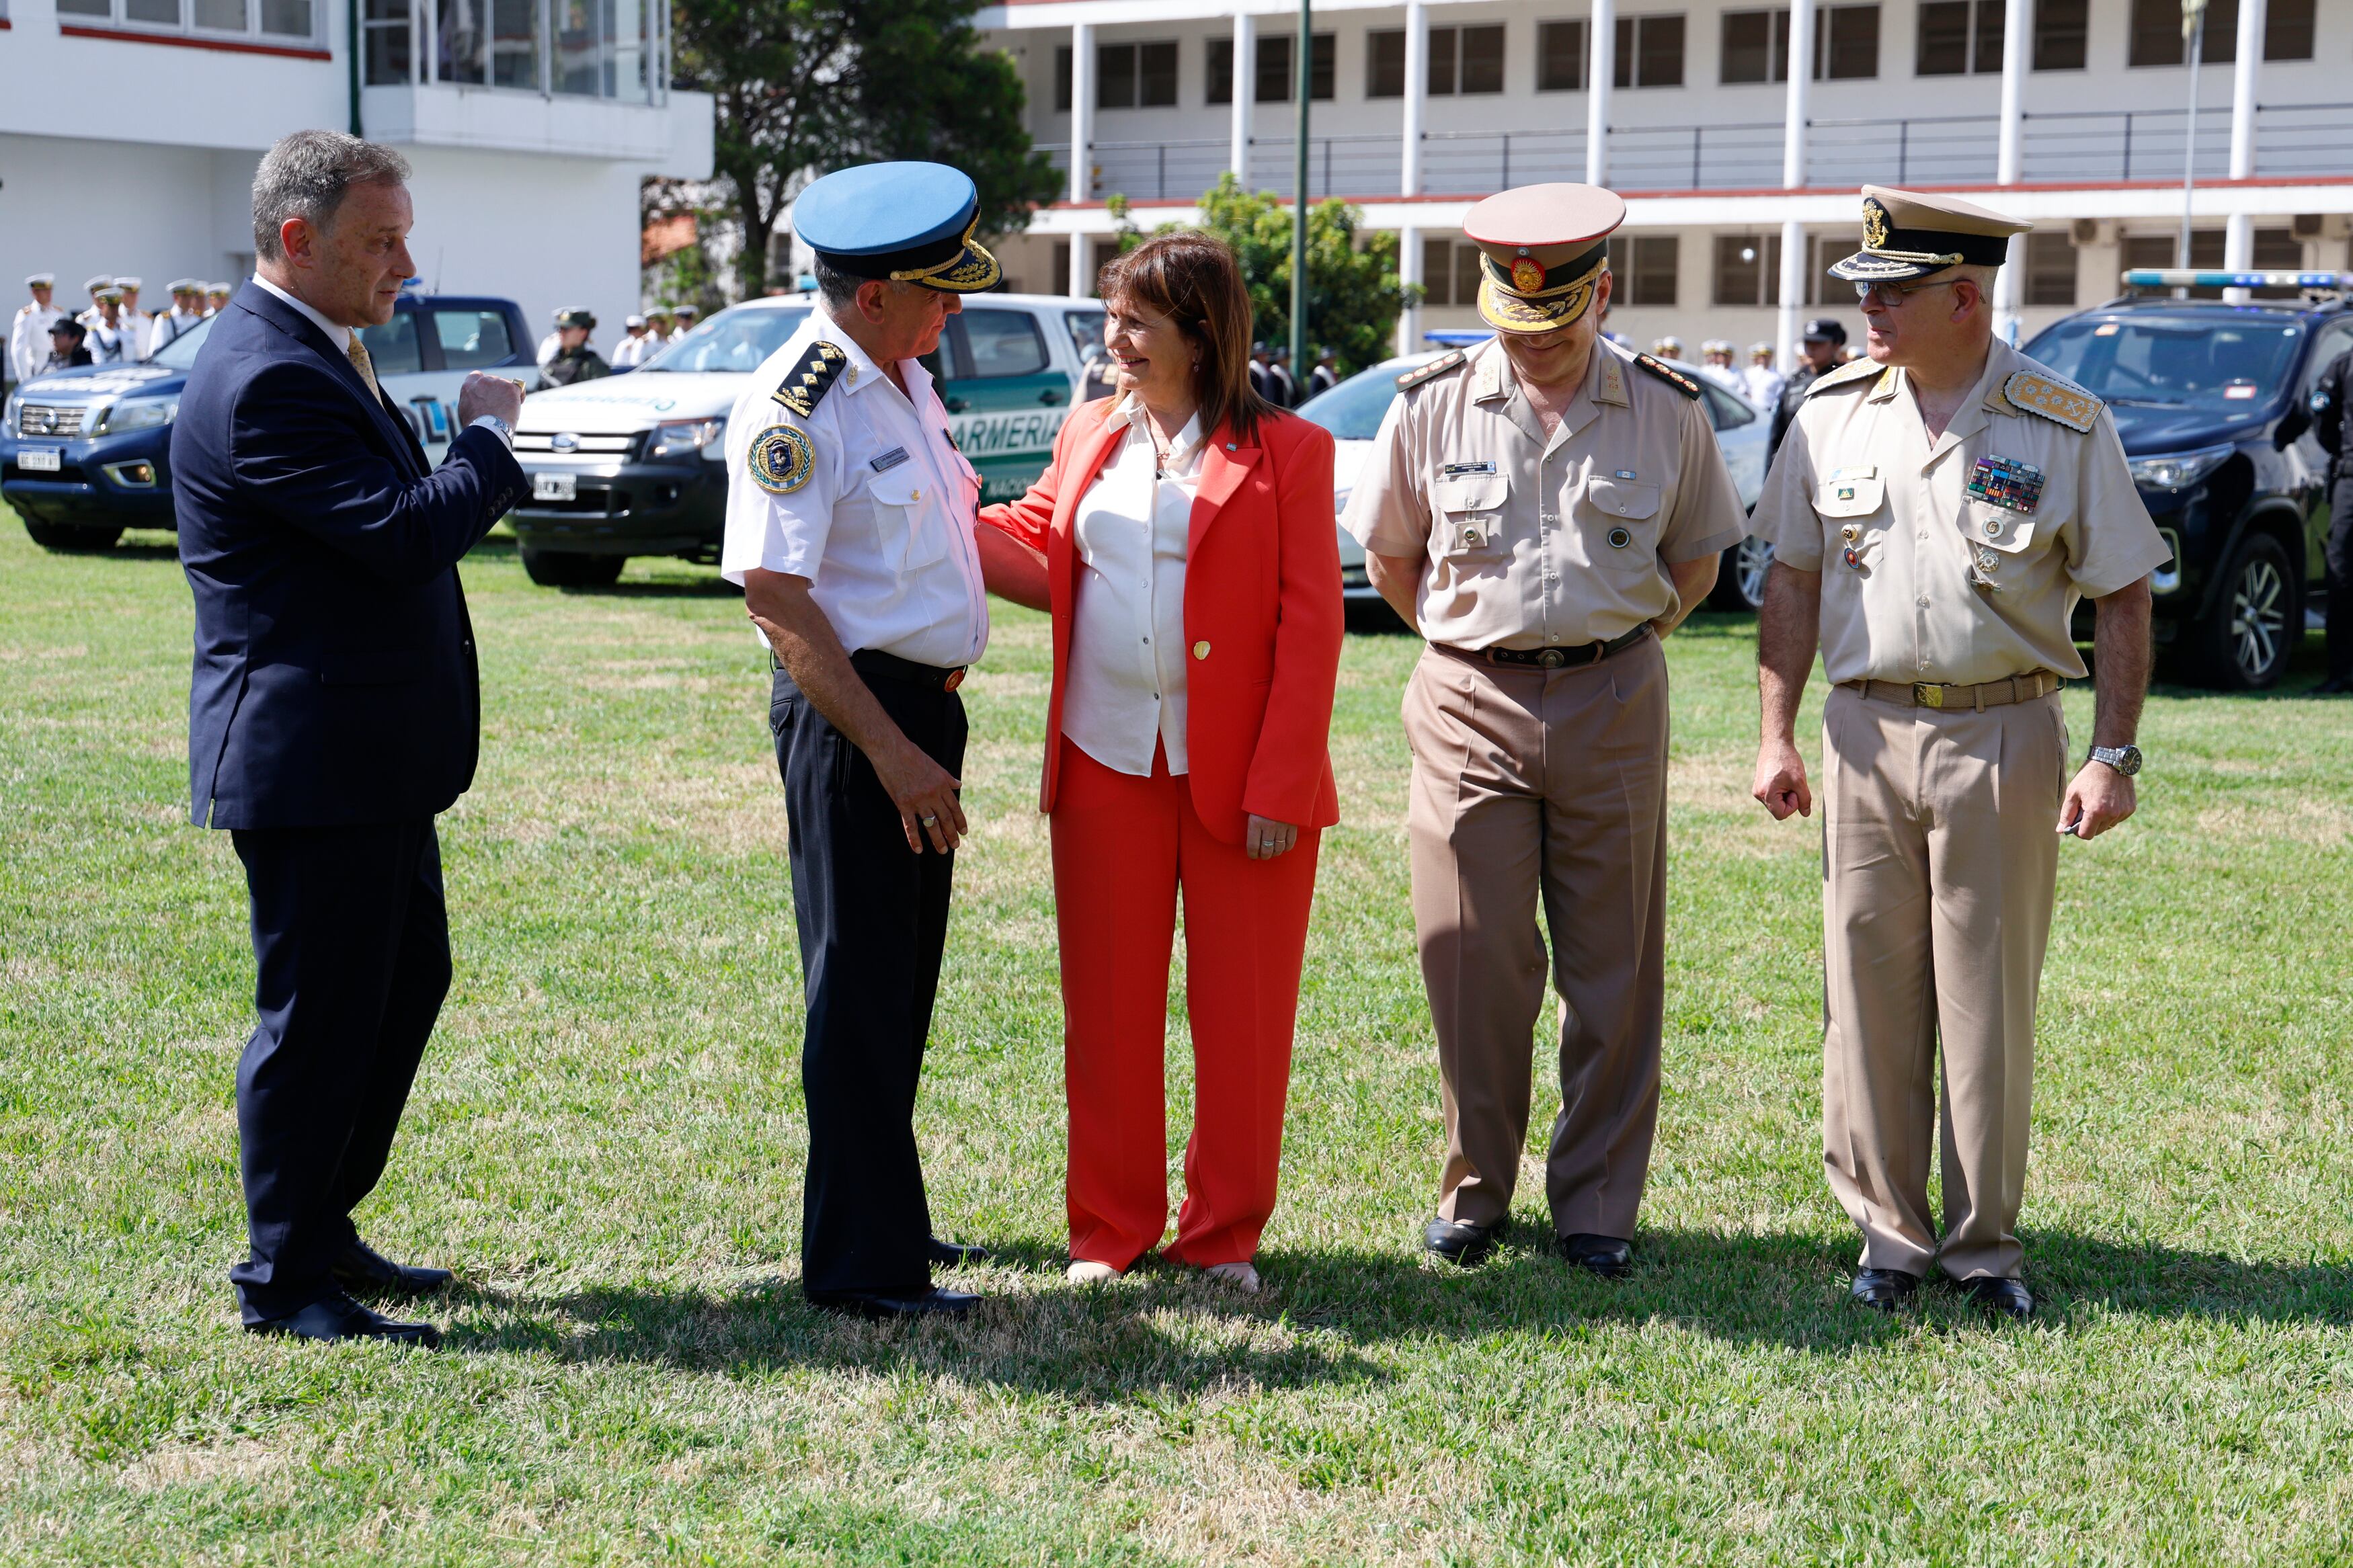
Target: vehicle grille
(589,445)
(50,419)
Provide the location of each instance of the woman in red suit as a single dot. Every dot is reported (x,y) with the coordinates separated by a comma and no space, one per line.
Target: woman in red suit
(1183,539)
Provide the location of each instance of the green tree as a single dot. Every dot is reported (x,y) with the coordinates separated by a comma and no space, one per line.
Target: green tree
(806,86)
(1354,293)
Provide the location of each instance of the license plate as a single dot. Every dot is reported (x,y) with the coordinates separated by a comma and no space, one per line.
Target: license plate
(40,459)
(554,487)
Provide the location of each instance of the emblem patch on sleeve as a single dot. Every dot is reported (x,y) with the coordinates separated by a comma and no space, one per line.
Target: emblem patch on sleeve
(2054,400)
(781,460)
(804,384)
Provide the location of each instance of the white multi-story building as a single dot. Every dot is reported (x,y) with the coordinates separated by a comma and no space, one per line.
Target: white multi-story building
(1740,172)
(130,130)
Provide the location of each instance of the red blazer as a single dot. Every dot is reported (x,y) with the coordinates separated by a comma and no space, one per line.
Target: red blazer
(1261,591)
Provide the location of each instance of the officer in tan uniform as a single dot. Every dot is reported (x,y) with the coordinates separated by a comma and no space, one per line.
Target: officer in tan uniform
(1936,514)
(1543,508)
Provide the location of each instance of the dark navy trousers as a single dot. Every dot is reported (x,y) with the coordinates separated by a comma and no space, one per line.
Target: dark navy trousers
(351,943)
(872,917)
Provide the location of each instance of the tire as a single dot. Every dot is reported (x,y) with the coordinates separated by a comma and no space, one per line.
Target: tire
(75,538)
(570,569)
(2247,640)
(1740,580)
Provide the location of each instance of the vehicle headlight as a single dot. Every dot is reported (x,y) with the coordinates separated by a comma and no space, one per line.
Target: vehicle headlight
(2177,470)
(135,414)
(8,415)
(687,437)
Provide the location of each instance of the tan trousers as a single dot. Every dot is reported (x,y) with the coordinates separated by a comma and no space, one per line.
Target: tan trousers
(1531,783)
(1940,855)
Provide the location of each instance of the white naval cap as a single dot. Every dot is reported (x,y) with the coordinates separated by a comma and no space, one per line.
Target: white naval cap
(127,283)
(40,281)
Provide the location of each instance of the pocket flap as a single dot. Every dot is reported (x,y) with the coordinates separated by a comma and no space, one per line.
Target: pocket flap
(1999,528)
(1854,496)
(1471,492)
(1621,498)
(901,486)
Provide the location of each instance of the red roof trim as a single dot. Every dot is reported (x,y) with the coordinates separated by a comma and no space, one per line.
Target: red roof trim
(186,41)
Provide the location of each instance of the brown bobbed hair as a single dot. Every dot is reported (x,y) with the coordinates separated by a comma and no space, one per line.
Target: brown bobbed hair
(1194,280)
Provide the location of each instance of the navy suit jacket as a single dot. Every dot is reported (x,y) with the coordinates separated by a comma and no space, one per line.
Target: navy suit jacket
(335,679)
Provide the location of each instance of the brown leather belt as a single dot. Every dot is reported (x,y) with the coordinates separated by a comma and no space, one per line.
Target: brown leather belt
(1549,657)
(1933,694)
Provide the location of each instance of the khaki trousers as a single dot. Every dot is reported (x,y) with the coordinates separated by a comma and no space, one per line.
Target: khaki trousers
(1940,855)
(1531,783)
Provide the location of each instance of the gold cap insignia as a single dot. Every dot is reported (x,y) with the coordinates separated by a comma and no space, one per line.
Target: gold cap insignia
(1874,224)
(1527,277)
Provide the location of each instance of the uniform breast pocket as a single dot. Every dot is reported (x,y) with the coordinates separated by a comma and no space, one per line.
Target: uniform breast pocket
(1620,520)
(912,533)
(1471,508)
(2003,545)
(1850,507)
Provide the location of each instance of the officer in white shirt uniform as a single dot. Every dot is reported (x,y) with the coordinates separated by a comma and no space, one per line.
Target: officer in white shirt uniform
(141,323)
(1760,382)
(849,524)
(187,312)
(91,286)
(115,339)
(630,351)
(28,334)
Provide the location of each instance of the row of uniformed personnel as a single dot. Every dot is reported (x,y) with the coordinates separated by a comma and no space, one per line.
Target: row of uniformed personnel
(115,329)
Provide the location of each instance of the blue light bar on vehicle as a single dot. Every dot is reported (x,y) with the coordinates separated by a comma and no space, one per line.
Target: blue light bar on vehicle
(2198,278)
(1455,337)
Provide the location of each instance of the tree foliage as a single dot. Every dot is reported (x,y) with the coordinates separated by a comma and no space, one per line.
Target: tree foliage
(1354,293)
(806,86)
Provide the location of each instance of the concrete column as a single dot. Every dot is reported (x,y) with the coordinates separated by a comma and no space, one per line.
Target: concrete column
(1409,329)
(1600,75)
(1793,293)
(1245,83)
(2239,232)
(2017,33)
(1082,273)
(1799,68)
(1417,92)
(1082,116)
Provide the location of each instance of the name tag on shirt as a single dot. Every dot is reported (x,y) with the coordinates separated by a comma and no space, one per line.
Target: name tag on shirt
(1451,470)
(883,462)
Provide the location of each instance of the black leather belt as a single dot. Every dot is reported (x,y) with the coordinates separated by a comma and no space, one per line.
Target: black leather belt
(878,665)
(1553,658)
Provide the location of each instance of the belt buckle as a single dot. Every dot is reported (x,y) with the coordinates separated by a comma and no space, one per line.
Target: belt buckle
(1551,657)
(954,679)
(1927,694)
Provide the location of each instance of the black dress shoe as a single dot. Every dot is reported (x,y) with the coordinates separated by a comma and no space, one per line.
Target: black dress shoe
(957,1254)
(338,1317)
(2002,1297)
(1607,1256)
(1459,1243)
(364,1271)
(1884,1289)
(933,1303)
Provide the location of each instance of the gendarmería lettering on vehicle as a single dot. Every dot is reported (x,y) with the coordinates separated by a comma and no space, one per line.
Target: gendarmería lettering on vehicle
(993,435)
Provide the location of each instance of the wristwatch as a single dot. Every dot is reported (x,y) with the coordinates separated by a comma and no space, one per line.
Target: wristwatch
(2126,759)
(496,425)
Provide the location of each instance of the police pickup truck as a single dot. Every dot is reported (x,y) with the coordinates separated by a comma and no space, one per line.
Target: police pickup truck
(85,454)
(634,465)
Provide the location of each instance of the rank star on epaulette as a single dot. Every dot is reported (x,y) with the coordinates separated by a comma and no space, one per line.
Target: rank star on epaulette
(804,384)
(1669,374)
(2053,399)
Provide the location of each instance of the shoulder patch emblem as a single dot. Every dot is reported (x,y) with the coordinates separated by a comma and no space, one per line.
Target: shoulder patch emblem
(1669,374)
(2053,399)
(804,384)
(781,460)
(1455,360)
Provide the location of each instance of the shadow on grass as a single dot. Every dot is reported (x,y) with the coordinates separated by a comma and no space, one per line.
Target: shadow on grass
(1163,1331)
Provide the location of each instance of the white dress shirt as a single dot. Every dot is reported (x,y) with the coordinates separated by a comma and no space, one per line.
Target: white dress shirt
(1126,686)
(880,517)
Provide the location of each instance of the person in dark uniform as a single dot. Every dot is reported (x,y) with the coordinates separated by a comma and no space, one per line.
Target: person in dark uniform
(2332,425)
(1326,373)
(1825,336)
(333,708)
(1286,386)
(66,347)
(574,361)
(851,526)
(1261,375)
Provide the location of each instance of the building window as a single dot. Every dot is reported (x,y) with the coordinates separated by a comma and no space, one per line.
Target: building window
(1465,61)
(1384,63)
(1560,57)
(1756,47)
(1644,265)
(1747,268)
(289,22)
(1960,38)
(2050,269)
(1846,43)
(1062,78)
(1135,75)
(486,43)
(1450,272)
(1822,289)
(2287,30)
(1219,87)
(1757,44)
(388,59)
(1276,68)
(604,48)
(2061,28)
(2157,32)
(1650,51)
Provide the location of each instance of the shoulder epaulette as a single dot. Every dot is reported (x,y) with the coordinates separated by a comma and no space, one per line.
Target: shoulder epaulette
(1669,374)
(2057,401)
(1847,375)
(804,384)
(1454,359)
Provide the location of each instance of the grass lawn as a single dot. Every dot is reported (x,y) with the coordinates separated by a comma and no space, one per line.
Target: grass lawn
(605,1143)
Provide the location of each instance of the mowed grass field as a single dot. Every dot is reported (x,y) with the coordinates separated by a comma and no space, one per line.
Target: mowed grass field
(605,1143)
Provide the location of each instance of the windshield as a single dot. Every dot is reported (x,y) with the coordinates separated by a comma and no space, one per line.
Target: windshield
(2190,359)
(736,339)
(1352,411)
(181,352)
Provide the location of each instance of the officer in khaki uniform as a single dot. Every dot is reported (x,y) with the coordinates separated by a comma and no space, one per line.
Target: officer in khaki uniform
(1544,508)
(1935,513)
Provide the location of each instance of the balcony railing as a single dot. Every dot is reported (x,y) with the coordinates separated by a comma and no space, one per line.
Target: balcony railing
(2058,147)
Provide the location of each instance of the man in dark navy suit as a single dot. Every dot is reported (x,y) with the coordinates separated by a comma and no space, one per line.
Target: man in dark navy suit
(333,710)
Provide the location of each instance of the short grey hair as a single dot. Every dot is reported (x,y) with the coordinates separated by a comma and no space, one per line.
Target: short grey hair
(838,289)
(308,174)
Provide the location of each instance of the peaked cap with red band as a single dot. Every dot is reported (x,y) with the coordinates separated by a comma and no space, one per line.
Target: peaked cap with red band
(1542,249)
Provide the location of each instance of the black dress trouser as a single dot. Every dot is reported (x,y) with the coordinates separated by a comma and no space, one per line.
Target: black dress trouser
(872,917)
(2338,552)
(351,946)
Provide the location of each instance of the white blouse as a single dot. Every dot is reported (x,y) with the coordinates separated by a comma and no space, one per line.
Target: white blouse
(1125,687)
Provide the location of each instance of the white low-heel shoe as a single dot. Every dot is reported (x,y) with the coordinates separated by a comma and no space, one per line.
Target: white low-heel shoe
(1084,1271)
(1242,1277)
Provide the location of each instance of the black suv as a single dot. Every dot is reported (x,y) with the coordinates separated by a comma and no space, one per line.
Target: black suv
(2211,399)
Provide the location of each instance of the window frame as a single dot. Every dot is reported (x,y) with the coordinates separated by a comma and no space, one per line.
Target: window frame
(1634,263)
(1323,68)
(115,18)
(1633,34)
(1545,30)
(1135,77)
(2054,41)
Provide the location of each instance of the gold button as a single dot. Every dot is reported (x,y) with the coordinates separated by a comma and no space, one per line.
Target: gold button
(918,495)
(1200,650)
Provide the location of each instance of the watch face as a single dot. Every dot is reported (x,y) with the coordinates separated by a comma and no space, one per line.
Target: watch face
(2130,760)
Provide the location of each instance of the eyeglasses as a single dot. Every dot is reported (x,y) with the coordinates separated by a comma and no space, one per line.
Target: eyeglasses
(1896,293)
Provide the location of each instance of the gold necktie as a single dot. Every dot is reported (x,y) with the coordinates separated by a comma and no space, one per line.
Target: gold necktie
(357,354)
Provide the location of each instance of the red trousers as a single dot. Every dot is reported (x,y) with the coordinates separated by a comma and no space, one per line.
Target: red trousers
(1123,849)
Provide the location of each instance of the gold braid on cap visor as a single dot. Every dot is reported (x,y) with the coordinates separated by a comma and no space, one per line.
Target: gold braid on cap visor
(970,268)
(1509,307)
